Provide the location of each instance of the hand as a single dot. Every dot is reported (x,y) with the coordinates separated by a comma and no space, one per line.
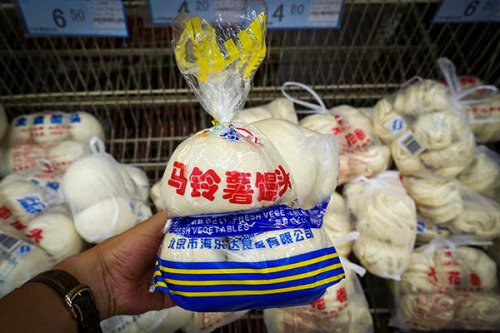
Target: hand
(120,270)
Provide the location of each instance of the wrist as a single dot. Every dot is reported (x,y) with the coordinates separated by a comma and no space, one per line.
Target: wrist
(88,271)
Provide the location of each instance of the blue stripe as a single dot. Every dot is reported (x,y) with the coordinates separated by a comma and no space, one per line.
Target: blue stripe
(244,286)
(237,303)
(248,276)
(252,264)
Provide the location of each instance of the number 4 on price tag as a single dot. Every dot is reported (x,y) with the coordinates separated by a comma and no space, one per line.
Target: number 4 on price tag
(468,11)
(74,17)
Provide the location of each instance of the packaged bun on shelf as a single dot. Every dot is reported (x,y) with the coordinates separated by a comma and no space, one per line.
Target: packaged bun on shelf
(338,225)
(483,173)
(56,136)
(162,321)
(54,231)
(480,218)
(426,124)
(483,110)
(280,108)
(386,219)
(343,308)
(104,198)
(361,153)
(448,285)
(437,200)
(206,322)
(247,200)
(19,259)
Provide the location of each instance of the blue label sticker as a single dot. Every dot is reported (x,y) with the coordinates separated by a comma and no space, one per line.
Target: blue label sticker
(468,11)
(420,227)
(281,14)
(74,17)
(249,222)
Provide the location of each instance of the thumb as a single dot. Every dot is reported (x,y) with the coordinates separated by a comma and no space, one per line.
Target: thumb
(152,227)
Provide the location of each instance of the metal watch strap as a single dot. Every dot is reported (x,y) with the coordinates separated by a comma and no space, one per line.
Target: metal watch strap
(77,297)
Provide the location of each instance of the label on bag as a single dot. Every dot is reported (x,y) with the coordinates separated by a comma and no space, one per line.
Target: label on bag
(281,14)
(103,18)
(468,11)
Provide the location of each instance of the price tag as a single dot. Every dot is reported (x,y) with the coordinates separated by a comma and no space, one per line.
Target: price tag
(468,11)
(164,12)
(281,14)
(74,17)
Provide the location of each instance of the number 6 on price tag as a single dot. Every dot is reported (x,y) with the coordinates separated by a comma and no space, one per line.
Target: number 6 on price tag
(73,17)
(468,11)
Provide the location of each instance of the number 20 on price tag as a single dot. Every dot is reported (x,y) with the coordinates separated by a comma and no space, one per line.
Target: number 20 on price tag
(74,17)
(468,11)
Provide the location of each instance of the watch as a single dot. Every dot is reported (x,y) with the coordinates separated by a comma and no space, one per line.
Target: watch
(77,297)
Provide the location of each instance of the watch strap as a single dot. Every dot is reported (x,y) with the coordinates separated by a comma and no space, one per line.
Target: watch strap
(77,297)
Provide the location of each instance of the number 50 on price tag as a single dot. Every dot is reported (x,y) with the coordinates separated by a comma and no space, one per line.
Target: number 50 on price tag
(74,17)
(468,11)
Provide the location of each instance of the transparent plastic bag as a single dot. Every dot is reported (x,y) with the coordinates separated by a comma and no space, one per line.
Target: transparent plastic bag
(439,201)
(386,219)
(234,190)
(343,308)
(447,285)
(206,322)
(338,225)
(277,256)
(19,260)
(280,108)
(54,231)
(427,231)
(360,151)
(480,218)
(426,124)
(483,173)
(56,136)
(103,197)
(163,321)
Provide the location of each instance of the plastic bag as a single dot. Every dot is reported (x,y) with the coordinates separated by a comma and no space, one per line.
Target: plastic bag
(480,218)
(19,260)
(163,321)
(439,201)
(278,256)
(104,198)
(338,225)
(386,219)
(54,231)
(483,173)
(361,153)
(426,124)
(56,136)
(206,322)
(343,308)
(280,108)
(427,231)
(447,285)
(228,186)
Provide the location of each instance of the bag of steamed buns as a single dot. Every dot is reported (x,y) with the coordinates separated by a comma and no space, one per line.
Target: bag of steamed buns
(56,136)
(386,219)
(426,124)
(247,200)
(448,285)
(105,197)
(361,153)
(343,308)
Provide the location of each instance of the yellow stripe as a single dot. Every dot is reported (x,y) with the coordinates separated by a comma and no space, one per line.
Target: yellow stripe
(249,270)
(253,292)
(250,282)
